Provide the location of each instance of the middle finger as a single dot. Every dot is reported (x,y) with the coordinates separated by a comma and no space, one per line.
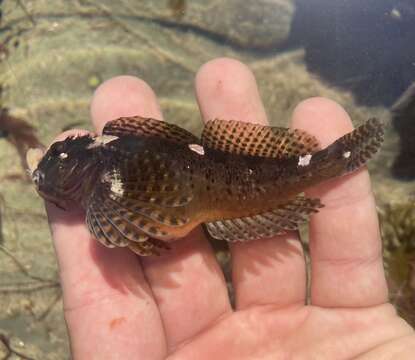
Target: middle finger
(226,89)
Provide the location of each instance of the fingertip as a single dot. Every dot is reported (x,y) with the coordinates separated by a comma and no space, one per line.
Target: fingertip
(123,96)
(219,75)
(226,87)
(71,132)
(322,117)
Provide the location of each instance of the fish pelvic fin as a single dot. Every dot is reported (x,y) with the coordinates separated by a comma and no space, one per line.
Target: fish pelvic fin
(286,217)
(347,153)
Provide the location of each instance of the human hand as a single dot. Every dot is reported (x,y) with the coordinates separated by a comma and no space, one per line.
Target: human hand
(176,306)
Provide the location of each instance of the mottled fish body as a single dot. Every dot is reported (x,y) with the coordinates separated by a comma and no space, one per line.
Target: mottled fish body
(146,181)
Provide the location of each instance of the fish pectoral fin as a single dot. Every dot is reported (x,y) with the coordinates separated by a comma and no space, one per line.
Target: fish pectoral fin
(111,236)
(257,140)
(148,127)
(284,218)
(96,231)
(113,228)
(149,247)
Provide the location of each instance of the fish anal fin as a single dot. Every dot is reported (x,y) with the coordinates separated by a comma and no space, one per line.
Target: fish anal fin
(148,127)
(286,217)
(257,140)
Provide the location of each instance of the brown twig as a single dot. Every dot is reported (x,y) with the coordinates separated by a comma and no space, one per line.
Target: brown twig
(29,289)
(23,269)
(45,313)
(2,205)
(10,350)
(28,14)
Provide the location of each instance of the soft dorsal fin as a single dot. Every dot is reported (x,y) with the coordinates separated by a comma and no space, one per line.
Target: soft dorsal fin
(286,217)
(257,140)
(136,125)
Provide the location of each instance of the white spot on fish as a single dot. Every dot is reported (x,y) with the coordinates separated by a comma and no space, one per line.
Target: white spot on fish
(198,149)
(304,160)
(102,140)
(63,155)
(346,154)
(116,185)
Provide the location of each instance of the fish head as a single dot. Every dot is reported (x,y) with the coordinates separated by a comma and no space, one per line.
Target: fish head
(59,173)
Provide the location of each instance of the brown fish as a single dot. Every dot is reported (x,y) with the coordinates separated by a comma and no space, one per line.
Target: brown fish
(145,181)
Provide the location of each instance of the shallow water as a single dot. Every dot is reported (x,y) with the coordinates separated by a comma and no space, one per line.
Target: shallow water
(54,54)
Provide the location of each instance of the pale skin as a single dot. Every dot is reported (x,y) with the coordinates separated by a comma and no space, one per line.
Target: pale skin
(119,306)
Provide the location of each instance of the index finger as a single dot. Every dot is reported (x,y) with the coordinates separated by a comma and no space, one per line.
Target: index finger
(109,306)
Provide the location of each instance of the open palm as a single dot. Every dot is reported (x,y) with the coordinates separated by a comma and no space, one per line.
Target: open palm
(119,306)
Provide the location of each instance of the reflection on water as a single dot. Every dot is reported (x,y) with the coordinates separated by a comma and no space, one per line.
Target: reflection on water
(53,57)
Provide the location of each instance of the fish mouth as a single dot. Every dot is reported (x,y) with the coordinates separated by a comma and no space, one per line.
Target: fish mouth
(61,204)
(33,157)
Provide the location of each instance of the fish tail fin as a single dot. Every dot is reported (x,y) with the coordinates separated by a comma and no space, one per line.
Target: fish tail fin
(349,152)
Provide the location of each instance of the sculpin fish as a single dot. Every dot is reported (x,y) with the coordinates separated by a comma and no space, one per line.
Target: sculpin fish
(146,181)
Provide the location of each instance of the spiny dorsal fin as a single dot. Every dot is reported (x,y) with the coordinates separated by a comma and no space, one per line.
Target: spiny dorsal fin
(284,218)
(257,140)
(139,126)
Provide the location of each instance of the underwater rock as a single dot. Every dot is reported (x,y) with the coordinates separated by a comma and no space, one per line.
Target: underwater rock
(284,81)
(12,347)
(250,25)
(398,234)
(403,120)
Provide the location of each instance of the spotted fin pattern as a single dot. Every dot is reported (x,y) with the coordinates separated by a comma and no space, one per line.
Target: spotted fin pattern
(362,143)
(140,126)
(148,219)
(114,225)
(150,247)
(96,231)
(285,218)
(257,140)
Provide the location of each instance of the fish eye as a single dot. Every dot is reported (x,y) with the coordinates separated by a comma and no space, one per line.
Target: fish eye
(58,148)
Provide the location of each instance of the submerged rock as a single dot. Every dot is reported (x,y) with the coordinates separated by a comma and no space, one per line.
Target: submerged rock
(403,120)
